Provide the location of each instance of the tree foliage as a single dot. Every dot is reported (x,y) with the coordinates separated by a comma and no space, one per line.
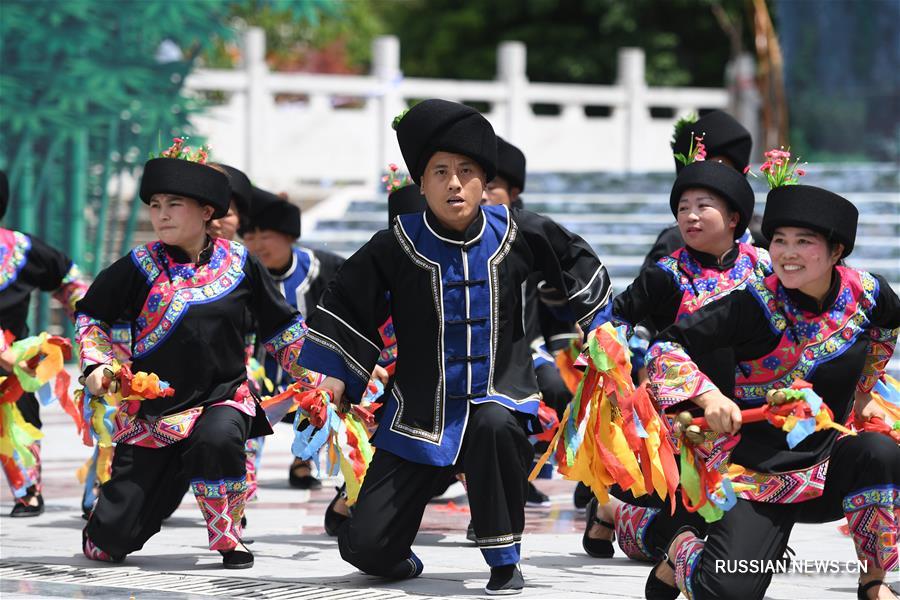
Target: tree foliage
(330,36)
(572,41)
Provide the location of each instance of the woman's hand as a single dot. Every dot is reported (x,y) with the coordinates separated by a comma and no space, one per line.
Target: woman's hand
(722,414)
(7,358)
(94,382)
(866,410)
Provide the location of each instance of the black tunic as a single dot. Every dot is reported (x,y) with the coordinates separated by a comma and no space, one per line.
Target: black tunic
(457,306)
(778,335)
(188,321)
(678,284)
(28,264)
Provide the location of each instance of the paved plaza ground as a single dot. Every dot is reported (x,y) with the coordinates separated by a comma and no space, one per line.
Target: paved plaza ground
(41,557)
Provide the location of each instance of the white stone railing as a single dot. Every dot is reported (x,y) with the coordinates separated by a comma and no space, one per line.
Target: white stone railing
(337,128)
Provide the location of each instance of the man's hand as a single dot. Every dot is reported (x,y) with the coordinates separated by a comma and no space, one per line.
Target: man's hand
(336,387)
(379,373)
(722,414)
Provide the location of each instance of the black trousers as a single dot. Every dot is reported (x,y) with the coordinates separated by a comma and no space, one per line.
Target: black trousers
(147,484)
(862,484)
(495,459)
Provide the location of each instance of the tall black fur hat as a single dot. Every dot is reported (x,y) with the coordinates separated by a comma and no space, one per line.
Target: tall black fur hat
(810,207)
(721,179)
(511,164)
(241,189)
(186,178)
(440,125)
(722,136)
(268,211)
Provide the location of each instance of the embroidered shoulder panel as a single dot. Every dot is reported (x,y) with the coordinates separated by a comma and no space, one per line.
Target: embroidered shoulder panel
(701,285)
(806,340)
(174,288)
(14,247)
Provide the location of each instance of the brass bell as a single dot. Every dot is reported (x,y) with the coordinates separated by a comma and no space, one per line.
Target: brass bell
(108,373)
(685,419)
(113,386)
(694,435)
(81,380)
(776,397)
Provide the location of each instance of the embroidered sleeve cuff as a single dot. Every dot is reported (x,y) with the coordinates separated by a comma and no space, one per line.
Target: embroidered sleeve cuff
(92,336)
(673,375)
(72,289)
(321,355)
(389,342)
(880,351)
(285,348)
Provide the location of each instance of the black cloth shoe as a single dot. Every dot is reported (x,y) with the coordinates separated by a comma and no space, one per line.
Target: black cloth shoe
(334,519)
(25,509)
(406,569)
(302,482)
(505,581)
(593,546)
(237,559)
(656,588)
(862,592)
(470,532)
(582,495)
(536,497)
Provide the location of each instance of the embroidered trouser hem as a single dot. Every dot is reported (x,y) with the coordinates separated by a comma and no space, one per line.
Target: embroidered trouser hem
(147,484)
(645,525)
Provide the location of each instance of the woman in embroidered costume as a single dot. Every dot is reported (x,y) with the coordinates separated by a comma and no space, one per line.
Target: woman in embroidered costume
(191,301)
(225,228)
(815,320)
(713,204)
(28,264)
